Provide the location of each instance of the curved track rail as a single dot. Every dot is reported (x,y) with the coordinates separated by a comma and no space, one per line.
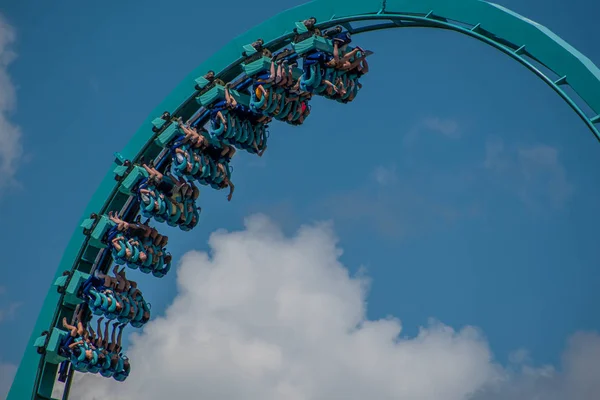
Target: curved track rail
(569,73)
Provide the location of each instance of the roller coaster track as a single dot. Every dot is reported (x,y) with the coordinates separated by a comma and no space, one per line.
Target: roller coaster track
(569,73)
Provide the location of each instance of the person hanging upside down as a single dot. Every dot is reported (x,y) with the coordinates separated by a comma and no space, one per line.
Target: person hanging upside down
(230,105)
(331,88)
(288,79)
(226,182)
(192,135)
(133,229)
(165,184)
(120,282)
(78,330)
(362,68)
(219,151)
(124,285)
(96,336)
(241,111)
(355,85)
(284,76)
(340,88)
(117,283)
(227,152)
(172,187)
(184,156)
(260,91)
(78,335)
(343,63)
(278,74)
(110,347)
(147,197)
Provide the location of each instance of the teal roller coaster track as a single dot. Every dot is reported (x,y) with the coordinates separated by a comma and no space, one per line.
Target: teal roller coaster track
(568,72)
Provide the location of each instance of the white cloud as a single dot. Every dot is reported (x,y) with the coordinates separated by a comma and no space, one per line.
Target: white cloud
(269,317)
(578,380)
(7,374)
(11,148)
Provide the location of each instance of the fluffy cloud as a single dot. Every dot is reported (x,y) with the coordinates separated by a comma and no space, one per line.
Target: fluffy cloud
(10,134)
(269,317)
(578,380)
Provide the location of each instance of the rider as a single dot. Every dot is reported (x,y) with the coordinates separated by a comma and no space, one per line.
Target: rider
(343,63)
(168,185)
(133,229)
(192,135)
(226,181)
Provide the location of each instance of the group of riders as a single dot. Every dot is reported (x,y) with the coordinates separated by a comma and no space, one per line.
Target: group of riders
(168,199)
(115,298)
(111,298)
(90,351)
(139,246)
(201,155)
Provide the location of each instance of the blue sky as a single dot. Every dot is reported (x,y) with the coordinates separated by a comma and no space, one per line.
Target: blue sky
(461,182)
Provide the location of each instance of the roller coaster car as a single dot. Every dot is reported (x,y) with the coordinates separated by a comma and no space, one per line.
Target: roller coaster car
(130,183)
(50,343)
(99,233)
(120,171)
(168,135)
(302,32)
(314,43)
(330,33)
(217,93)
(70,287)
(264,63)
(251,54)
(287,53)
(157,124)
(257,66)
(203,85)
